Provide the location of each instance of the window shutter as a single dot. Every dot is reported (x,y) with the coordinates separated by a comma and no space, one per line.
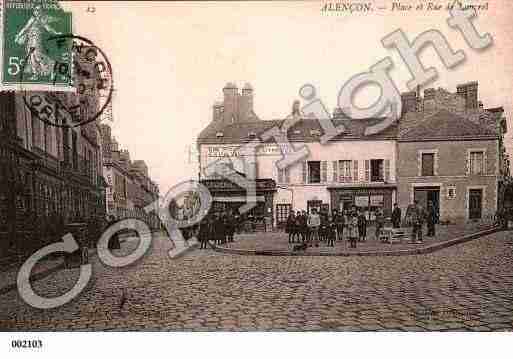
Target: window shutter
(367,170)
(355,171)
(485,168)
(340,171)
(305,172)
(287,174)
(419,163)
(280,175)
(387,170)
(335,171)
(324,171)
(467,164)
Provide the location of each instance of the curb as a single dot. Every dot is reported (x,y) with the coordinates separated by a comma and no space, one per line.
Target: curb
(403,252)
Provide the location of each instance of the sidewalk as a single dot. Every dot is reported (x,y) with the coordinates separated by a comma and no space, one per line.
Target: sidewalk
(276,243)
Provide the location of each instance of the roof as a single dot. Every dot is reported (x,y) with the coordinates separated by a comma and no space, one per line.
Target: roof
(443,124)
(305,130)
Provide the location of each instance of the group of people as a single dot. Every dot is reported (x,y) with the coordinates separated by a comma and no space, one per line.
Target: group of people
(312,228)
(219,227)
(416,216)
(318,226)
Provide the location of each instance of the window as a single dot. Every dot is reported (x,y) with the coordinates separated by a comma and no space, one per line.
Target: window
(451,192)
(376,169)
(428,164)
(282,212)
(476,162)
(314,171)
(284,175)
(345,174)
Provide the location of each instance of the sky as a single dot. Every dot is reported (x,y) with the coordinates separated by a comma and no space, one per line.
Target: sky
(170,61)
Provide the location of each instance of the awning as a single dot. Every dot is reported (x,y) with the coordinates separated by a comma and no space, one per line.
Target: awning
(238,199)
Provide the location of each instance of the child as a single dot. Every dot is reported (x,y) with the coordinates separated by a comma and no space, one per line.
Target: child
(331,232)
(353,229)
(362,227)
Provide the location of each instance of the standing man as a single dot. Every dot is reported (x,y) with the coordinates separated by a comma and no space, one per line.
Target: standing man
(431,219)
(340,223)
(314,222)
(396,216)
(380,222)
(304,226)
(416,222)
(289,226)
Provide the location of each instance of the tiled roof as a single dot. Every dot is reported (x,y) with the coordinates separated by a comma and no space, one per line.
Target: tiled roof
(447,125)
(307,130)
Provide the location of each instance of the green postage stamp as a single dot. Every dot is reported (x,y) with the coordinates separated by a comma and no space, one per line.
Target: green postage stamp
(31,49)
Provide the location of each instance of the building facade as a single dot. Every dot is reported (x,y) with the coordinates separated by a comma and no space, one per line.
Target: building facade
(451,153)
(335,175)
(50,176)
(446,148)
(130,188)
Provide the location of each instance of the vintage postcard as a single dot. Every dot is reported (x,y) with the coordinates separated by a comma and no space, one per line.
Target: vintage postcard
(256,166)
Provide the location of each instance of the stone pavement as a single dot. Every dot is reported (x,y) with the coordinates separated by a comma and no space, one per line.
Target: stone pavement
(467,287)
(278,242)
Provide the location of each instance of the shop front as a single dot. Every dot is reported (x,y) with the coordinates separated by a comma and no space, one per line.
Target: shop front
(229,197)
(366,198)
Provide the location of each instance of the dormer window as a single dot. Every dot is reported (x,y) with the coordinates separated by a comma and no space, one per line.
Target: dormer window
(219,134)
(251,135)
(315,132)
(297,132)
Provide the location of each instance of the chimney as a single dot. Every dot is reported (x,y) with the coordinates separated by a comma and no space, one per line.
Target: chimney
(337,113)
(231,103)
(114,145)
(469,93)
(246,103)
(409,101)
(429,99)
(217,111)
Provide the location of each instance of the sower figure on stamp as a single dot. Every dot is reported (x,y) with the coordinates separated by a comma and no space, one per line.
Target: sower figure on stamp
(31,35)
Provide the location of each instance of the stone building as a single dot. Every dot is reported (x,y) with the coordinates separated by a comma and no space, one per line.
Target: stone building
(130,188)
(446,148)
(333,176)
(50,176)
(451,153)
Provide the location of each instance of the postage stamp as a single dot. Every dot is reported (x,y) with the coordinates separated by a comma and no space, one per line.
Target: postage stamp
(25,26)
(89,72)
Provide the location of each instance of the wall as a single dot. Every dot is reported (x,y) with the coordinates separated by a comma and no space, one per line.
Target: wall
(347,150)
(452,171)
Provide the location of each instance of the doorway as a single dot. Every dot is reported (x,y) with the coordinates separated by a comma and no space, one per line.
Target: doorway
(425,195)
(475,203)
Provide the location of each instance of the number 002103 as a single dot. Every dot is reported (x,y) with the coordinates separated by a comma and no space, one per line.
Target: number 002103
(35,343)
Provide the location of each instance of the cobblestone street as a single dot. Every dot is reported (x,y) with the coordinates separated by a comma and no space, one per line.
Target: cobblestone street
(464,287)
